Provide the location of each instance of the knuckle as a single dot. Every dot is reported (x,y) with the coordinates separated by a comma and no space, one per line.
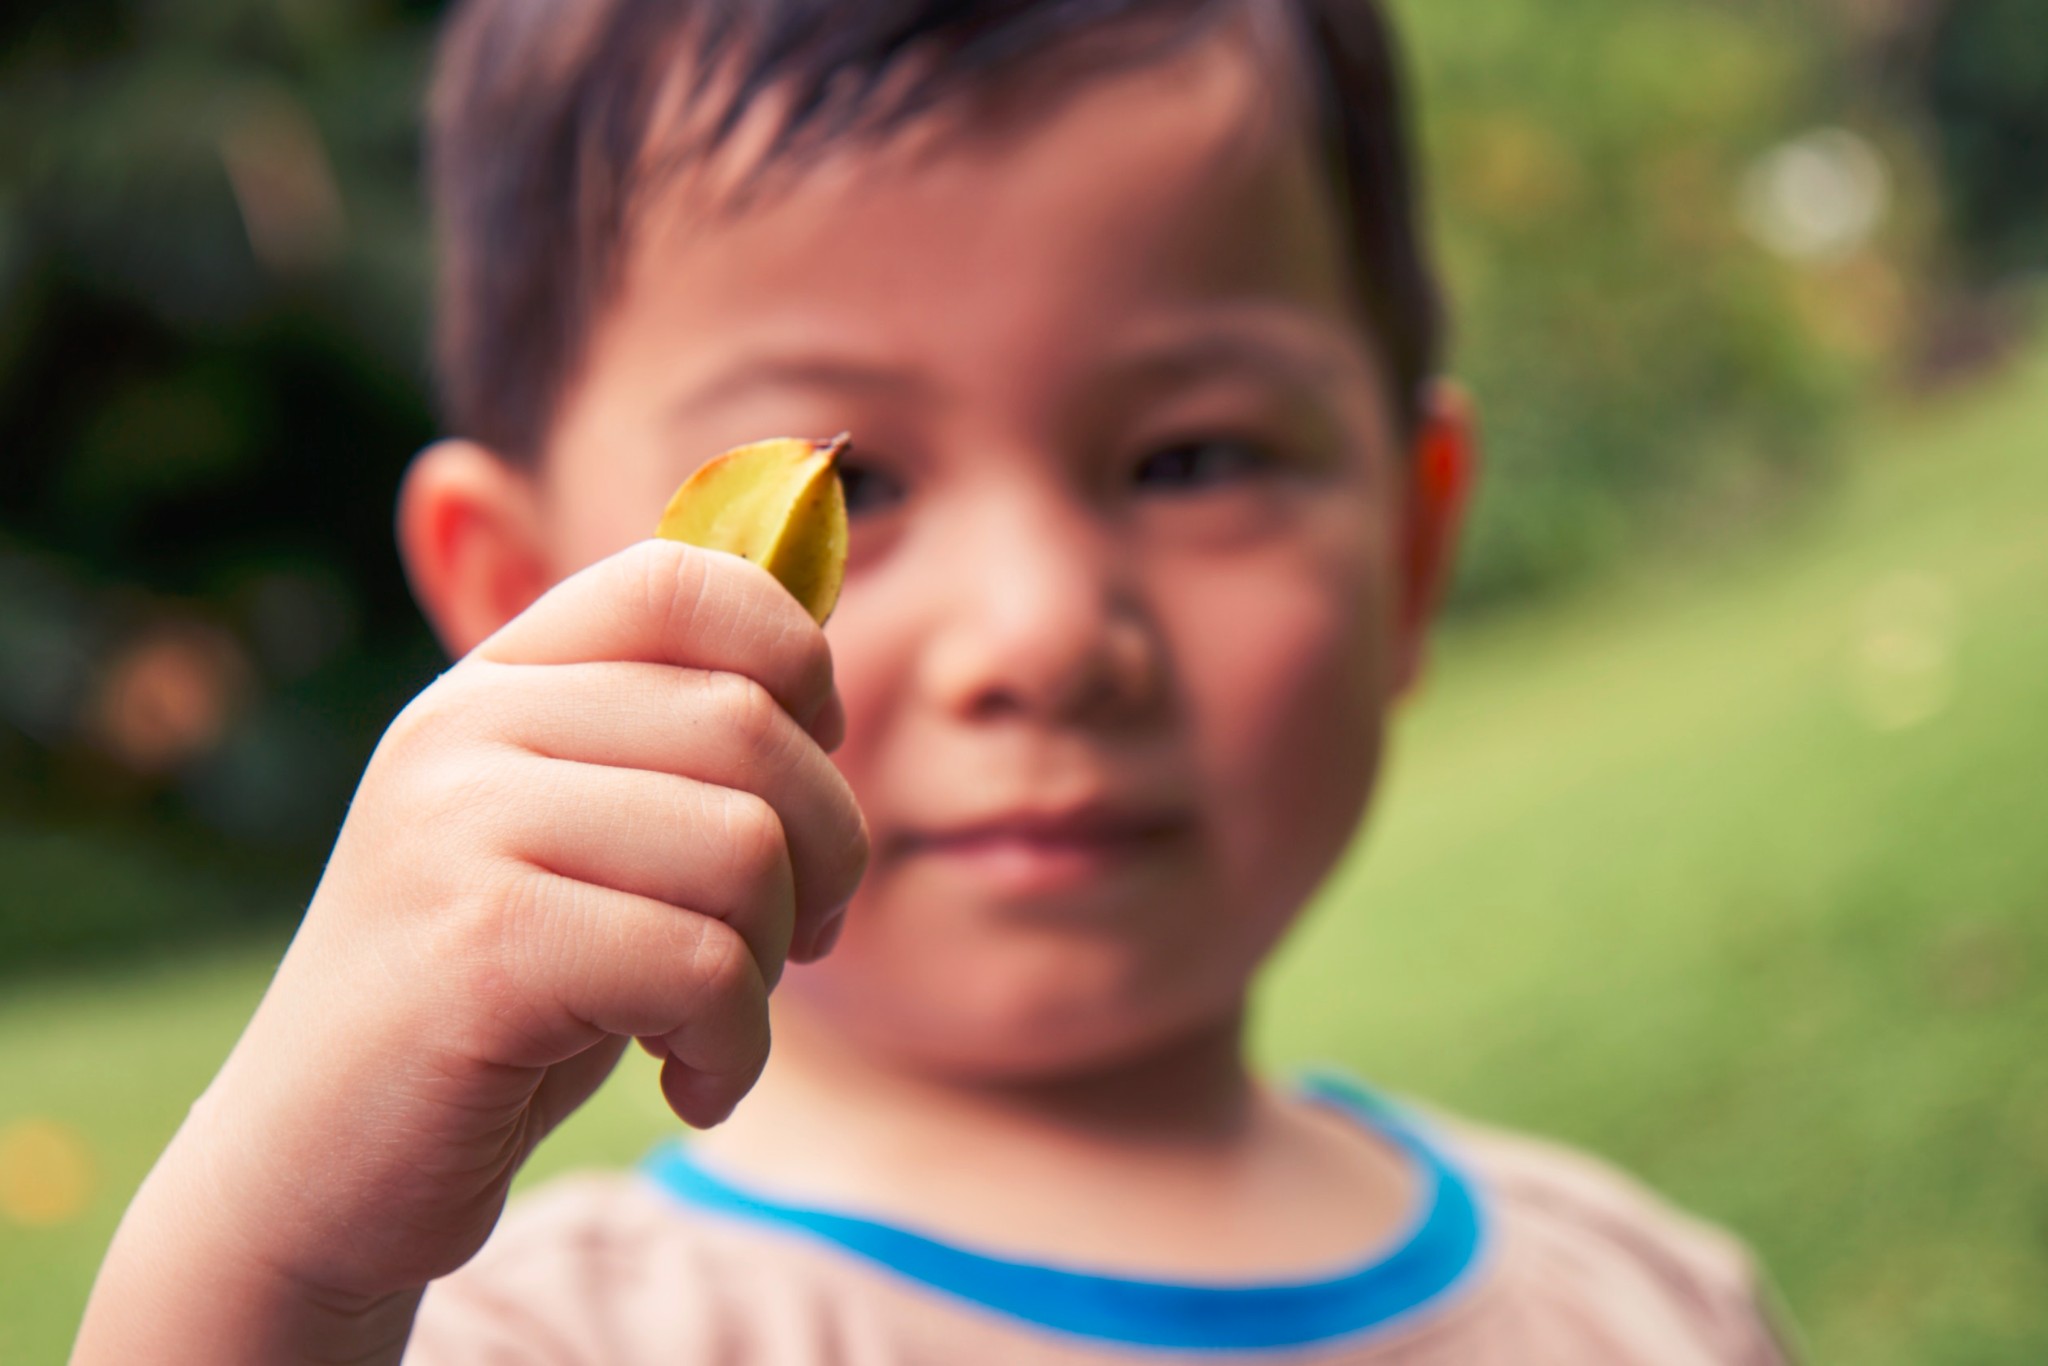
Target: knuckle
(721,967)
(416,726)
(749,714)
(429,805)
(464,934)
(756,846)
(674,581)
(451,708)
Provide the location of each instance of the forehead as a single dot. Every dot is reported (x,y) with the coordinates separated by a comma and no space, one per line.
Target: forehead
(1015,230)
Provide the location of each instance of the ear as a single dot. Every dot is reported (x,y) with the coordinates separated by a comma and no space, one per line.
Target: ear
(470,536)
(1442,468)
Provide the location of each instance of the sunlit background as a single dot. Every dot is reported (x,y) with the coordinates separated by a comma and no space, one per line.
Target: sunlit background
(1718,842)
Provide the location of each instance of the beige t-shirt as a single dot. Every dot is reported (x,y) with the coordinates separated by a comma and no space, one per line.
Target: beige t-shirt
(1520,1253)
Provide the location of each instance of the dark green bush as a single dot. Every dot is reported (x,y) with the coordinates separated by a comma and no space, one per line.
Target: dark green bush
(1638,357)
(1981,74)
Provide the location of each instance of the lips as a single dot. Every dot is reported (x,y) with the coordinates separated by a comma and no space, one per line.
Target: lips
(1080,827)
(1042,850)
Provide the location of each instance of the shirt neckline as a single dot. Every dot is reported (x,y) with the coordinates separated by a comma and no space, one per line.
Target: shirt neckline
(1420,1269)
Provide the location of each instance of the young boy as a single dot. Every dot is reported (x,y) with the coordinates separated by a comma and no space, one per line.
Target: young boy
(1153,494)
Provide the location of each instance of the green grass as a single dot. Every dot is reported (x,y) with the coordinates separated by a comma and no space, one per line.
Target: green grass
(1648,877)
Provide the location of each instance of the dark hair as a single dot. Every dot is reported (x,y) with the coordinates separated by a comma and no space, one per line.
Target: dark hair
(542,112)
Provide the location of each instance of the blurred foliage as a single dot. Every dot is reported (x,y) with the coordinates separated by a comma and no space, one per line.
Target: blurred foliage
(212,298)
(213,287)
(1641,359)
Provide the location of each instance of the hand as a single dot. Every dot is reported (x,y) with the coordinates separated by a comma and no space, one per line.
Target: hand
(614,819)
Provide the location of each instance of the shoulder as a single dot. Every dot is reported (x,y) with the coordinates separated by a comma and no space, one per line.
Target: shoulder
(1543,1187)
(1586,1252)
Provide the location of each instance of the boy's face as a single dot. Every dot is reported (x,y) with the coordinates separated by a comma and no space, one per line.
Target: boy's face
(1137,569)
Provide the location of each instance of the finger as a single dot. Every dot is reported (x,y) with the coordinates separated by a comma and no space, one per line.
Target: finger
(701,1100)
(599,962)
(662,602)
(716,728)
(829,727)
(696,846)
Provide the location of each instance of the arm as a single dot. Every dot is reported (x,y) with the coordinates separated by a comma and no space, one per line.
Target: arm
(614,819)
(180,1285)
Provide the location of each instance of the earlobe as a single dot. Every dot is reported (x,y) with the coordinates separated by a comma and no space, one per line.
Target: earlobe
(469,534)
(1443,466)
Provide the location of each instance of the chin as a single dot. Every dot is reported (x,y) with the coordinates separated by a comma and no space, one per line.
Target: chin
(1023,1012)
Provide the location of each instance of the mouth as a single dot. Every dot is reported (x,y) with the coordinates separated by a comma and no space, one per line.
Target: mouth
(1045,850)
(1029,851)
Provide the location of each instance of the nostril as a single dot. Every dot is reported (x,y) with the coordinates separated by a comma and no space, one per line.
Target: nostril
(1085,667)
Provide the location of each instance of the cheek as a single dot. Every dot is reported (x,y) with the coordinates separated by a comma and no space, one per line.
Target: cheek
(595,510)
(873,639)
(1284,663)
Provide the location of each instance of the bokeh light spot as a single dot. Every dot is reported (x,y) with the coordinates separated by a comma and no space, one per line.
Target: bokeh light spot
(47,1173)
(1902,661)
(1819,197)
(169,694)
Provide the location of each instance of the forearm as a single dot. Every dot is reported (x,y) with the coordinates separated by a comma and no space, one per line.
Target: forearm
(181,1285)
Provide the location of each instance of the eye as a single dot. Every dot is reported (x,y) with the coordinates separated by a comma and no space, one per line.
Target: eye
(868,490)
(1187,466)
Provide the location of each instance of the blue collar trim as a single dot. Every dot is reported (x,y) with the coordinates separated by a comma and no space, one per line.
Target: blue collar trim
(1433,1257)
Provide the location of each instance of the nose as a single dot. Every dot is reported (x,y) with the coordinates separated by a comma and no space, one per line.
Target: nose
(1043,618)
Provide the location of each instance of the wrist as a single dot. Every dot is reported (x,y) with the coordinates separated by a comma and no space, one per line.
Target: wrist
(183,1282)
(142,1310)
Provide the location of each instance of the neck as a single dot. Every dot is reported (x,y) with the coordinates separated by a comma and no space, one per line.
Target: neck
(1171,1162)
(1188,1096)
